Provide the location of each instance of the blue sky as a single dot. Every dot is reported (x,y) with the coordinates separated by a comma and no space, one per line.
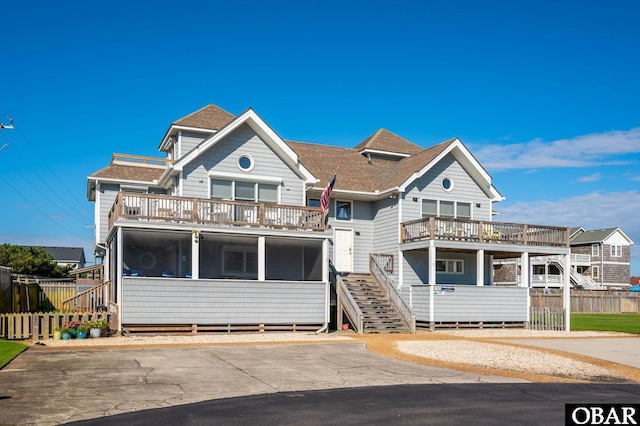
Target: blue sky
(546,94)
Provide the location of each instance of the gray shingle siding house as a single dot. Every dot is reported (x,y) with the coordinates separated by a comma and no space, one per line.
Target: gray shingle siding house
(225,229)
(600,260)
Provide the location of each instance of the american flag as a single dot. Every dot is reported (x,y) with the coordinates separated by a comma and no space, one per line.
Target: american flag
(326,194)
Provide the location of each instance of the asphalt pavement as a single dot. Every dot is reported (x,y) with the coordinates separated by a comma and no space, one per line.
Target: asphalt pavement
(317,383)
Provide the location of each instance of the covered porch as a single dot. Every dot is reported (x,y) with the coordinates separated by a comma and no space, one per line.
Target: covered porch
(217,277)
(446,268)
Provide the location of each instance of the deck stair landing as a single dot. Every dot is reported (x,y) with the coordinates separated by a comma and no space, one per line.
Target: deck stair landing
(379,314)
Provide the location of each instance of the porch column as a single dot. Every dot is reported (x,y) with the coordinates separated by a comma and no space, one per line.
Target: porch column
(432,283)
(261,258)
(566,292)
(524,280)
(480,268)
(195,255)
(524,270)
(120,260)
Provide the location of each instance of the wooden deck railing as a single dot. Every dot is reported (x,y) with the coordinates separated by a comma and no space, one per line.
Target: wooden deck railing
(203,211)
(484,232)
(379,270)
(90,300)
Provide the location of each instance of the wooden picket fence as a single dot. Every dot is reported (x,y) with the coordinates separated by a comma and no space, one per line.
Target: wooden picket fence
(590,301)
(40,325)
(546,319)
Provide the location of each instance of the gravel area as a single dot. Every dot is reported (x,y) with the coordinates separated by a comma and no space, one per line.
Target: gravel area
(503,357)
(198,339)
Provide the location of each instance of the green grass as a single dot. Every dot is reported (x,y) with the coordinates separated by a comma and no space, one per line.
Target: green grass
(623,323)
(9,350)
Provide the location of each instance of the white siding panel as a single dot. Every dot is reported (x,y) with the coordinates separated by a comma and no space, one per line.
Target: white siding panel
(108,194)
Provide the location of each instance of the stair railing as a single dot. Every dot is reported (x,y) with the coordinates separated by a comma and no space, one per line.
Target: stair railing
(346,303)
(380,274)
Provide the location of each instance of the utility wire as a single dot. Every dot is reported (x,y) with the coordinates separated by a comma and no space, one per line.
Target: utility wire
(43,213)
(35,187)
(80,203)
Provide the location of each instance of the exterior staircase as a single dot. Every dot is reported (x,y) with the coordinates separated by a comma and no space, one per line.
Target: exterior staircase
(379,314)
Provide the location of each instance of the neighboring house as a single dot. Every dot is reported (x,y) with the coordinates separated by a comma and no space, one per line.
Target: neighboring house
(225,231)
(67,256)
(634,281)
(600,259)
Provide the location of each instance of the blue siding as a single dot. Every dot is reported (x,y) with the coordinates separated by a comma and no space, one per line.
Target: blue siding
(429,186)
(185,301)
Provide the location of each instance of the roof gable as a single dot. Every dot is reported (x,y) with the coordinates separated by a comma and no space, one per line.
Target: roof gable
(261,128)
(387,143)
(210,117)
(599,236)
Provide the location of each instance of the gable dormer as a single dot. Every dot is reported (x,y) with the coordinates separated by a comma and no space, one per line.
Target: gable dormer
(385,145)
(186,133)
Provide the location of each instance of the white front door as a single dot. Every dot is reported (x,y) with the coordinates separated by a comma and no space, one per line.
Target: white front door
(343,250)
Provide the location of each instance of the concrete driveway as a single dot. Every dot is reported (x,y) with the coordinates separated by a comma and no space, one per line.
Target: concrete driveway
(58,386)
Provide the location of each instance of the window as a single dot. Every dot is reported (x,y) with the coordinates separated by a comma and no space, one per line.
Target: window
(267,193)
(447,184)
(313,202)
(245,163)
(447,209)
(244,191)
(221,189)
(450,266)
(616,251)
(343,210)
(429,208)
(240,262)
(463,210)
(595,249)
(595,272)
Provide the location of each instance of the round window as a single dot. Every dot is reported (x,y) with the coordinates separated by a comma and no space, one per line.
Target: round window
(245,162)
(447,184)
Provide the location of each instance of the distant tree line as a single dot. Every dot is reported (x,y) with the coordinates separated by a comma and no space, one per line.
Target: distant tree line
(31,261)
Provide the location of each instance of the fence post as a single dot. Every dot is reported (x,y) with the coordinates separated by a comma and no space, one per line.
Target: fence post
(35,327)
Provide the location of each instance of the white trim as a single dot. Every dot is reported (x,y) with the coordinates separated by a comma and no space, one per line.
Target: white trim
(445,260)
(252,119)
(335,211)
(381,152)
(245,177)
(459,149)
(451,184)
(251,166)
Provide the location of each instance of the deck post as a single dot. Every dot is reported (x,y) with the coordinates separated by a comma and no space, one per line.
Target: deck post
(566,293)
(432,283)
(480,268)
(195,254)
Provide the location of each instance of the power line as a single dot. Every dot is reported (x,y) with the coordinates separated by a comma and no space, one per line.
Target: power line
(43,213)
(35,187)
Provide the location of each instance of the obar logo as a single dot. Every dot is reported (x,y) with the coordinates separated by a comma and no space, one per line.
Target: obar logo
(602,414)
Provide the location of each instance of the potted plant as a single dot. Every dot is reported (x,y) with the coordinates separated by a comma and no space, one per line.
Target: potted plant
(72,327)
(57,333)
(66,332)
(83,330)
(96,326)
